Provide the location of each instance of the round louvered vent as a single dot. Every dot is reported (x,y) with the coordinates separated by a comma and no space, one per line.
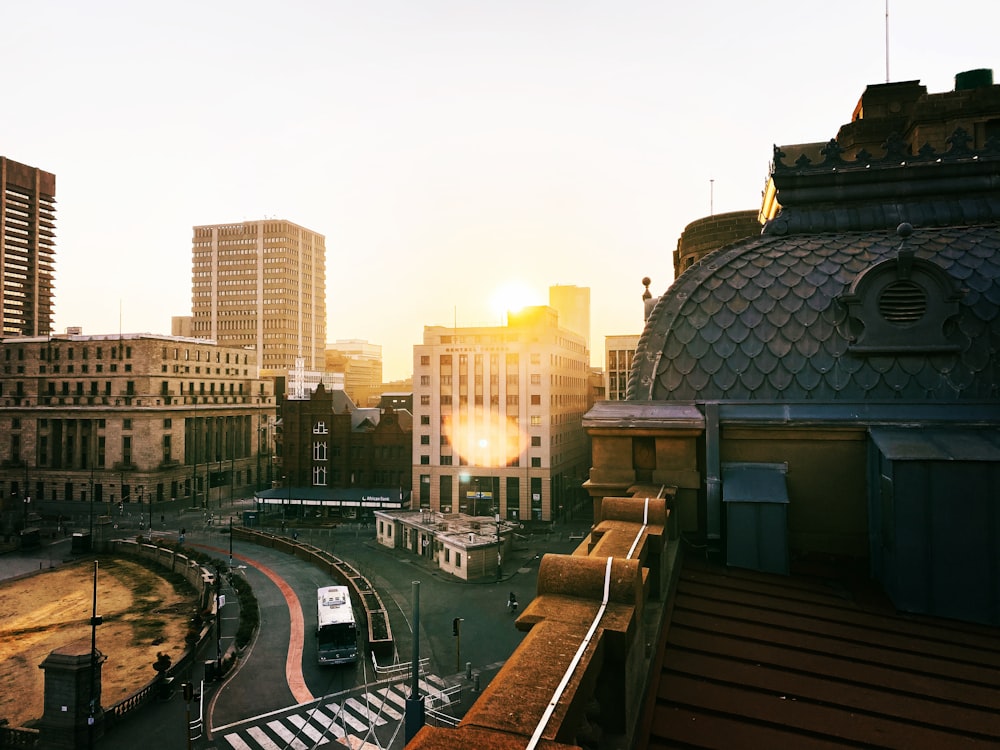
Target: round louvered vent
(902,302)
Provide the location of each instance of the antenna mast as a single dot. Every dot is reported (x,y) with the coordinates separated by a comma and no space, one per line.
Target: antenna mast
(887,41)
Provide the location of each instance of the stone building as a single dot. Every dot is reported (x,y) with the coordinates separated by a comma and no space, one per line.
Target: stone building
(132,418)
(796,537)
(498,416)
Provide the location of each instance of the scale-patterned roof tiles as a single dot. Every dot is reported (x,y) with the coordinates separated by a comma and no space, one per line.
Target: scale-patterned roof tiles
(763,319)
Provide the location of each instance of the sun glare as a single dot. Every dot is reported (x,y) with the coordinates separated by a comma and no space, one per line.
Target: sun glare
(511,297)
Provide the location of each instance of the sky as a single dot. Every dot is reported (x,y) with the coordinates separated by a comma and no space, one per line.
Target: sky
(446,149)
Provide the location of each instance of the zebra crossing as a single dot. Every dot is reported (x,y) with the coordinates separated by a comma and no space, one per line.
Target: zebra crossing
(370,717)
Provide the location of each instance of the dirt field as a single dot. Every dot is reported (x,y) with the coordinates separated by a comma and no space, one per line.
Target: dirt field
(143,614)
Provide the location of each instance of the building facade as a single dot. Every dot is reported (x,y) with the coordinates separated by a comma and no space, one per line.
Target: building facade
(329,444)
(27,253)
(618,354)
(261,284)
(360,363)
(130,418)
(497,417)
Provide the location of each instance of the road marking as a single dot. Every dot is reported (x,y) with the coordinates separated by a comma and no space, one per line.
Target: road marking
(325,721)
(262,739)
(287,735)
(362,710)
(237,742)
(343,716)
(306,728)
(296,639)
(393,696)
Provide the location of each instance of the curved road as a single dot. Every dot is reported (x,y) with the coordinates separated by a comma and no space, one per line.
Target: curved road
(279,669)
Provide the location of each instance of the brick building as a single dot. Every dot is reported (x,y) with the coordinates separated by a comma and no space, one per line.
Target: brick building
(328,445)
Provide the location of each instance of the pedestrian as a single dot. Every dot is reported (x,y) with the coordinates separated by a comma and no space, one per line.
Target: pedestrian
(512,602)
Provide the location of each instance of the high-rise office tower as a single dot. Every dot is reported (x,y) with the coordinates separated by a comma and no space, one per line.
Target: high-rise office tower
(27,216)
(261,284)
(498,417)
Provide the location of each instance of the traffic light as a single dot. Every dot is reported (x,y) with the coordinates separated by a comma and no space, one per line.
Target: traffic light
(455,625)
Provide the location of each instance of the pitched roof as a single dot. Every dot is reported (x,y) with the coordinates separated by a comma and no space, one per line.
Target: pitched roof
(757,660)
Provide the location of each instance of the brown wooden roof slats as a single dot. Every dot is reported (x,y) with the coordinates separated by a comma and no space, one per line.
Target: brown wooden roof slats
(687,728)
(757,660)
(781,712)
(836,668)
(809,686)
(845,607)
(879,635)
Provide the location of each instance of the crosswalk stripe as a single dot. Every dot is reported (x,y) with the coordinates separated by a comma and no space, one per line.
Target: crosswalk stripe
(441,684)
(237,742)
(341,715)
(430,691)
(392,695)
(362,710)
(262,739)
(287,735)
(383,707)
(329,724)
(306,728)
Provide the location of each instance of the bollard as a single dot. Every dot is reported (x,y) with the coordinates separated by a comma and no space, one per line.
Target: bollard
(475,684)
(468,670)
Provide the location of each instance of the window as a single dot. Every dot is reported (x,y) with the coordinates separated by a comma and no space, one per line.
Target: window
(425,419)
(167,448)
(536,462)
(446,460)
(319,451)
(167,424)
(425,380)
(458,559)
(536,441)
(536,379)
(126,424)
(320,428)
(425,439)
(127,450)
(425,359)
(319,476)
(536,400)
(425,400)
(425,460)
(536,420)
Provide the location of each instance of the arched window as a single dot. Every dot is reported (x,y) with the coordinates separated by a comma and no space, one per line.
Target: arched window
(319,451)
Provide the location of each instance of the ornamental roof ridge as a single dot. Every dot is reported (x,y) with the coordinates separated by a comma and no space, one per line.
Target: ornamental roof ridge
(897,152)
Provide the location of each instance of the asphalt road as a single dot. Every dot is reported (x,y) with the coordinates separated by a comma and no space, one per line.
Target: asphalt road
(259,686)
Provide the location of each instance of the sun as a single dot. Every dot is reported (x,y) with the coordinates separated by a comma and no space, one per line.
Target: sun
(511,297)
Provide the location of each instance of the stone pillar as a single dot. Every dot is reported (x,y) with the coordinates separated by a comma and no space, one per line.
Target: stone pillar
(72,680)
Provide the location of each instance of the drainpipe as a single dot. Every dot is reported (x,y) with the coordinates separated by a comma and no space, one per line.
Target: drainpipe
(713,473)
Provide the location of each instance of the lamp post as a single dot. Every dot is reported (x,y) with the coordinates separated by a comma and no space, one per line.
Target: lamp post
(496,518)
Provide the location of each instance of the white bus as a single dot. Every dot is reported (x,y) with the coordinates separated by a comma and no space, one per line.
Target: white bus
(336,631)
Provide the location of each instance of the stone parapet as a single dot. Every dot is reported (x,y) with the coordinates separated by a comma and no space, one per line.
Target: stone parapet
(580,673)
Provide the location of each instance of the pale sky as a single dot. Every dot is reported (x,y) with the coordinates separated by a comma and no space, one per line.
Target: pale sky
(443,148)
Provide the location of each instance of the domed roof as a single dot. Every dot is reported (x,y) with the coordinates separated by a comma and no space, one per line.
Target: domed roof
(771,318)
